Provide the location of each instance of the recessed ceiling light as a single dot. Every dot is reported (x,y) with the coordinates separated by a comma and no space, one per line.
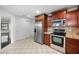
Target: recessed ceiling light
(38,12)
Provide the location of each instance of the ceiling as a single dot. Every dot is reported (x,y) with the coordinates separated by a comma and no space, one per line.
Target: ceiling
(32,10)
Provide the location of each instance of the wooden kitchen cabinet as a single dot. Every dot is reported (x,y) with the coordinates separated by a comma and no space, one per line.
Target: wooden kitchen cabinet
(39,18)
(59,15)
(71,18)
(72,46)
(49,21)
(47,39)
(78,17)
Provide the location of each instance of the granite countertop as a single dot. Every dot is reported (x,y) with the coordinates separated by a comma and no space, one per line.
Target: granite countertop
(47,33)
(73,37)
(71,32)
(68,36)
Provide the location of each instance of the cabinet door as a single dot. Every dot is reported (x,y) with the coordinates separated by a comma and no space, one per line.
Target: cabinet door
(54,16)
(78,17)
(72,46)
(47,39)
(71,18)
(59,15)
(39,18)
(49,21)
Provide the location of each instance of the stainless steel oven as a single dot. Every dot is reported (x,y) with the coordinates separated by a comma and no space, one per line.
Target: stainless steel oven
(58,40)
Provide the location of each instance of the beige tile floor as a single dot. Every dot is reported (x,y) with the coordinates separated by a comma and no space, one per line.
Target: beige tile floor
(28,46)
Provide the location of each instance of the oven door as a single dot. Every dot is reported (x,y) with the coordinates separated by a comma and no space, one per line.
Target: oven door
(58,40)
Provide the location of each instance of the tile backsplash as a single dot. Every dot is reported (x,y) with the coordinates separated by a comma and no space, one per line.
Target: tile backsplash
(72,32)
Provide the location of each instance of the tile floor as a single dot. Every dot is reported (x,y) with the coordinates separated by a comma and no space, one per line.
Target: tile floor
(28,46)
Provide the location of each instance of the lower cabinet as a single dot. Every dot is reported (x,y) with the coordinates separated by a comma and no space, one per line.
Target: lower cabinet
(47,39)
(72,46)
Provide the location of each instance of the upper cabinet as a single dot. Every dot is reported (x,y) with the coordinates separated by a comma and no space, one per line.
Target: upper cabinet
(72,17)
(59,15)
(39,18)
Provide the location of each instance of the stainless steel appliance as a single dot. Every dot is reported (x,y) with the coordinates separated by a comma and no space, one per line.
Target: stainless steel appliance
(59,22)
(58,35)
(38,32)
(58,40)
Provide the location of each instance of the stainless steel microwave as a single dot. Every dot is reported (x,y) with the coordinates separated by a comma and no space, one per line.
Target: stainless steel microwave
(59,22)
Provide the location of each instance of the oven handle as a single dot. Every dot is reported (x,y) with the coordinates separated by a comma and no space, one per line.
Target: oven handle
(58,36)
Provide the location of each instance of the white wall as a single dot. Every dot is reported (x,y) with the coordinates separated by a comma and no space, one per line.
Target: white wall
(19,27)
(23,28)
(0,34)
(3,13)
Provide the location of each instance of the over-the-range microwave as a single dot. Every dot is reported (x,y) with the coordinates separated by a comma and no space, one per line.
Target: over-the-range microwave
(59,22)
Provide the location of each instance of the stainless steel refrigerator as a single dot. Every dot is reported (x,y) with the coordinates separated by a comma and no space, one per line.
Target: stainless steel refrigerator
(38,32)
